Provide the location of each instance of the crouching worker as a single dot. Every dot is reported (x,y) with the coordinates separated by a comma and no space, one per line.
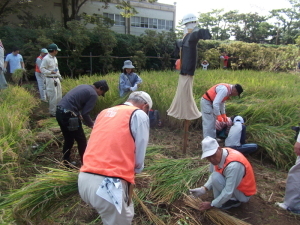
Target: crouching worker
(232,180)
(114,154)
(237,137)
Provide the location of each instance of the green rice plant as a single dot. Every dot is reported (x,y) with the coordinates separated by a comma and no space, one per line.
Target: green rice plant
(17,75)
(41,196)
(172,177)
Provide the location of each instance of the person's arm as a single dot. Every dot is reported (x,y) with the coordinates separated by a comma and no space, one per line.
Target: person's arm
(44,66)
(140,131)
(23,65)
(233,174)
(138,79)
(5,65)
(218,105)
(38,62)
(243,135)
(87,108)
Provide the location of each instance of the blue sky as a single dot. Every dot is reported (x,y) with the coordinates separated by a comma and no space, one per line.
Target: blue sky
(243,6)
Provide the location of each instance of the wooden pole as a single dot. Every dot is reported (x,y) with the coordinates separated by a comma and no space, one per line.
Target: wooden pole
(185,135)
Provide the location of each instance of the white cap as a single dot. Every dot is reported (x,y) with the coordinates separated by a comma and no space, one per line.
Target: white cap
(238,119)
(188,18)
(209,147)
(144,96)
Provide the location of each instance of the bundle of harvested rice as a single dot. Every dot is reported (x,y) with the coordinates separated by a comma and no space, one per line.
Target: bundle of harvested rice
(215,215)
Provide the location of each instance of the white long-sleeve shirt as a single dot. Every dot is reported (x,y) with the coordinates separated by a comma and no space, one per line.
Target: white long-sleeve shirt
(218,105)
(233,174)
(49,64)
(140,130)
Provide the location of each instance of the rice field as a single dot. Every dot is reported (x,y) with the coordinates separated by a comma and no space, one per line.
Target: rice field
(269,104)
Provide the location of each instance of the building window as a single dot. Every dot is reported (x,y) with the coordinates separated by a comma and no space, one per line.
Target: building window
(136,21)
(161,24)
(144,22)
(169,25)
(153,23)
(118,19)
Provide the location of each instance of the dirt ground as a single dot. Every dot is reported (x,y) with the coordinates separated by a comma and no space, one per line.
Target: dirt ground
(259,210)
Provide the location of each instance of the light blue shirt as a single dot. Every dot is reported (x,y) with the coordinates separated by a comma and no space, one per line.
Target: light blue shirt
(127,81)
(14,61)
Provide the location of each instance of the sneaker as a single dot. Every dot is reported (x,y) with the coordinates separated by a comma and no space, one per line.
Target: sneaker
(281,205)
(230,204)
(74,163)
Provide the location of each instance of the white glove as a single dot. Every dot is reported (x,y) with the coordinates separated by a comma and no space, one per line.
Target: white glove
(135,87)
(60,78)
(198,191)
(4,70)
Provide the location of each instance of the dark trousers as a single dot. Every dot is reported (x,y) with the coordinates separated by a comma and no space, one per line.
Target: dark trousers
(71,136)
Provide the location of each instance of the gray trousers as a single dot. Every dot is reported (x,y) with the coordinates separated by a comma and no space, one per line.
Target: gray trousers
(3,83)
(40,80)
(292,189)
(88,185)
(208,119)
(54,93)
(218,184)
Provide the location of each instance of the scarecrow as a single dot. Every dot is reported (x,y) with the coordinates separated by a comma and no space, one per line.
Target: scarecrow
(183,105)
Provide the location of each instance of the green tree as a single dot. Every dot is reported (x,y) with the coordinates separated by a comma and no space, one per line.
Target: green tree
(9,7)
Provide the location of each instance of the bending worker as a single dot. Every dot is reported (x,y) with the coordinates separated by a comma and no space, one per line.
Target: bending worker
(213,106)
(75,106)
(114,154)
(232,180)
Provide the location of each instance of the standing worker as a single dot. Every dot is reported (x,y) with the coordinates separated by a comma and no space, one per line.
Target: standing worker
(213,106)
(74,107)
(49,68)
(292,188)
(129,80)
(3,83)
(233,178)
(114,154)
(39,76)
(15,61)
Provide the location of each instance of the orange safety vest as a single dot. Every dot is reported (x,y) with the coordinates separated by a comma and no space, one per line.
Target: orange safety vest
(111,149)
(211,93)
(37,69)
(248,184)
(178,64)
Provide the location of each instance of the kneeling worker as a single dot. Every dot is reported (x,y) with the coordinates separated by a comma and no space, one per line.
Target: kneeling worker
(114,154)
(232,181)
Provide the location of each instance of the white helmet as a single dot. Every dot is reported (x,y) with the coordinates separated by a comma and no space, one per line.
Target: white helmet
(189,18)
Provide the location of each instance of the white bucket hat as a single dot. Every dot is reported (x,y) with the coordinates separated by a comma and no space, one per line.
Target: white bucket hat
(209,147)
(144,96)
(128,65)
(238,119)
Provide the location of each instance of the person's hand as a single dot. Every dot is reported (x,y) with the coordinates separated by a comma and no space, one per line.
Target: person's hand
(205,206)
(60,79)
(225,119)
(198,191)
(297,148)
(4,70)
(220,118)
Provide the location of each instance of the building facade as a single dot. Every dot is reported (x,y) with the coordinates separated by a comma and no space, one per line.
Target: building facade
(154,16)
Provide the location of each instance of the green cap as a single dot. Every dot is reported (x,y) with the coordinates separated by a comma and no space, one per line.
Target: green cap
(52,47)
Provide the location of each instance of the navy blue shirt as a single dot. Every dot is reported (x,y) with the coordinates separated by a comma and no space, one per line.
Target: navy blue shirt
(81,100)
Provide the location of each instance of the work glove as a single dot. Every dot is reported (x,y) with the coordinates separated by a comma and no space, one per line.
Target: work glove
(225,119)
(198,191)
(60,79)
(220,118)
(4,70)
(135,87)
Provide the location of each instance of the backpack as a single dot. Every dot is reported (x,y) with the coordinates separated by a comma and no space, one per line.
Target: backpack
(154,118)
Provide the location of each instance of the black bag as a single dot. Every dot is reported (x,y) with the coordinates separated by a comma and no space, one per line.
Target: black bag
(73,124)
